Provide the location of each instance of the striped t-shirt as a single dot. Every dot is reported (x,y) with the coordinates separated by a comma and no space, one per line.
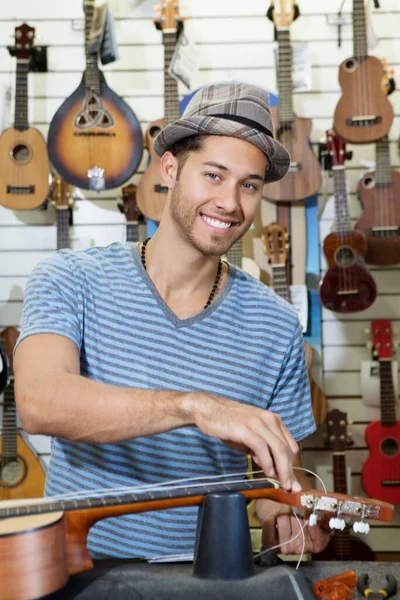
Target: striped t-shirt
(247,346)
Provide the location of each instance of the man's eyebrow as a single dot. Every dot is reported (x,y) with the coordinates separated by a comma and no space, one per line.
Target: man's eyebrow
(212,163)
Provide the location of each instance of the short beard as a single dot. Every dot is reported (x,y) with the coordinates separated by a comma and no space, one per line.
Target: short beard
(185,217)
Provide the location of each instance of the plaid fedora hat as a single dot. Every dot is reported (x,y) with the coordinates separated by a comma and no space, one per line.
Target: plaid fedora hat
(232,109)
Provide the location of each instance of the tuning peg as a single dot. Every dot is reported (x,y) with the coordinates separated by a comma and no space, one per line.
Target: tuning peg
(361,527)
(336,523)
(312,521)
(369,345)
(367,331)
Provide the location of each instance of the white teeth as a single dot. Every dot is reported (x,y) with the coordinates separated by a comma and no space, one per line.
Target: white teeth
(216,223)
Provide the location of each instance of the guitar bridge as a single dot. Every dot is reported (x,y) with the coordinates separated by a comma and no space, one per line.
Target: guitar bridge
(347,292)
(20,189)
(363,121)
(294,167)
(96,179)
(390,483)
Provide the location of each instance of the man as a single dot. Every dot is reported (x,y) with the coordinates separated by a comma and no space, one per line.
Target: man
(153,362)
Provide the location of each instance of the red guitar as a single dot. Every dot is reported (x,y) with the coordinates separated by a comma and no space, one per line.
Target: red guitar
(381,473)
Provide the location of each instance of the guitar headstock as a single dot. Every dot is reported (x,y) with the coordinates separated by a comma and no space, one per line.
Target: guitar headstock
(62,193)
(275,239)
(336,427)
(283,13)
(382,339)
(336,149)
(8,339)
(24,40)
(129,206)
(169,18)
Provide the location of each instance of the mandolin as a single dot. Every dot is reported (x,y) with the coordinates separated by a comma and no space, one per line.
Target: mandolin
(275,239)
(151,192)
(21,473)
(304,177)
(379,193)
(363,114)
(381,473)
(347,286)
(129,208)
(342,546)
(63,202)
(95,140)
(24,164)
(43,542)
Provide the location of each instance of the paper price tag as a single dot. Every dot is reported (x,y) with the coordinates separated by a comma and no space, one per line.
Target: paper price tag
(185,61)
(301,66)
(370,382)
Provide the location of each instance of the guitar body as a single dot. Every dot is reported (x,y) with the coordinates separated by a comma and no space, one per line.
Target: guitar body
(381,208)
(363,94)
(23,478)
(350,548)
(305,179)
(24,164)
(150,201)
(91,131)
(347,286)
(383,463)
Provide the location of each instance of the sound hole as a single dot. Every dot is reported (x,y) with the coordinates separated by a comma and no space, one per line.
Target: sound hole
(350,65)
(368,182)
(153,131)
(344,257)
(12,472)
(390,447)
(20,153)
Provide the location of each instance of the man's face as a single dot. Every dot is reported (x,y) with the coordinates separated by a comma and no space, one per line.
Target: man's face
(218,192)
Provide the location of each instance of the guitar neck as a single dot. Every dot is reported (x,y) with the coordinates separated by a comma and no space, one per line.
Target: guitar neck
(9,443)
(171,98)
(342,214)
(339,473)
(21,95)
(132,231)
(383,171)
(235,254)
(92,72)
(279,282)
(360,42)
(388,397)
(63,227)
(285,83)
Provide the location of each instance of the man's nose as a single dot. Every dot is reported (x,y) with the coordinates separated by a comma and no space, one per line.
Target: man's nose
(229,199)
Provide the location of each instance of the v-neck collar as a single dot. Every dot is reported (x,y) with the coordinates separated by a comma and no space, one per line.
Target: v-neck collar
(169,314)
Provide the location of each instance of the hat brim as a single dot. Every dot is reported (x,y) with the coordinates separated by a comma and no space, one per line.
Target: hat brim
(278,156)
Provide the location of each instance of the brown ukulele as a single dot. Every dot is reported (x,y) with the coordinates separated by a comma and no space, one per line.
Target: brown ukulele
(21,473)
(304,176)
(129,208)
(342,546)
(63,202)
(275,239)
(95,140)
(151,192)
(43,542)
(363,114)
(24,164)
(347,286)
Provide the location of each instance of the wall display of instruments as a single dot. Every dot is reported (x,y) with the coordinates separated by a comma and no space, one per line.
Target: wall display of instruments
(21,472)
(24,164)
(381,472)
(347,286)
(95,140)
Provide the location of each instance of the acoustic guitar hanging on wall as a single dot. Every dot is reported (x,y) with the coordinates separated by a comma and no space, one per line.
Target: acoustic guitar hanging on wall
(24,162)
(95,139)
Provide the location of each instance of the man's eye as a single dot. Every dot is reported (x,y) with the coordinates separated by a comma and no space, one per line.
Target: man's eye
(213,176)
(249,186)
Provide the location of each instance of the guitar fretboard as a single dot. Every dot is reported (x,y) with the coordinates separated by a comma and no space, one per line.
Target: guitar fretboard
(383,166)
(342,538)
(171,99)
(388,398)
(235,253)
(63,227)
(360,43)
(9,434)
(132,232)
(92,73)
(279,282)
(21,95)
(285,83)
(342,221)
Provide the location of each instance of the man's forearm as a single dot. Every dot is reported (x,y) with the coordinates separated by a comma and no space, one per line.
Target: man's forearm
(79,409)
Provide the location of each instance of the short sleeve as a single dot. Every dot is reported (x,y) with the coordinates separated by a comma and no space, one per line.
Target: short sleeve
(53,299)
(291,396)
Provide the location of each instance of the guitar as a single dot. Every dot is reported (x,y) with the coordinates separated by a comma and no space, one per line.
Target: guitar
(275,239)
(151,193)
(342,545)
(381,473)
(379,193)
(347,285)
(249,265)
(363,114)
(63,201)
(129,208)
(43,542)
(95,140)
(304,176)
(24,164)
(21,473)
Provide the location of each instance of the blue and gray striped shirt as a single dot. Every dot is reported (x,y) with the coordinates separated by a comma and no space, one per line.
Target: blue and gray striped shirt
(247,346)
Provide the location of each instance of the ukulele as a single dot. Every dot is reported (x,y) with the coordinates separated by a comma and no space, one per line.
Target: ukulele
(21,473)
(381,473)
(151,193)
(379,193)
(342,545)
(347,286)
(129,208)
(95,140)
(24,164)
(304,177)
(63,201)
(275,239)
(43,542)
(235,257)
(363,114)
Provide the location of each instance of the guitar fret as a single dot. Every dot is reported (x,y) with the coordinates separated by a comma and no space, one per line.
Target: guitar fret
(171,98)
(342,215)
(360,43)
(284,71)
(388,400)
(21,95)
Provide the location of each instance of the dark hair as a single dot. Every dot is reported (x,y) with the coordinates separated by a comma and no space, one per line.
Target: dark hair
(184,147)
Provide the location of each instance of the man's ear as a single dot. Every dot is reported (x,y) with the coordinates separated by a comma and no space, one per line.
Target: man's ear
(169,169)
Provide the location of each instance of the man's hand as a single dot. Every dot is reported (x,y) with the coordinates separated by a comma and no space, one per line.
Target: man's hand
(253,430)
(279,525)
